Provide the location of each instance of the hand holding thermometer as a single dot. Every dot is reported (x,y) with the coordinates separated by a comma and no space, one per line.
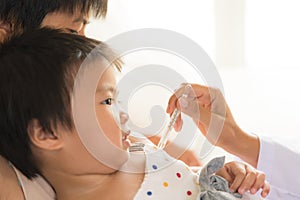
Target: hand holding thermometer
(163,141)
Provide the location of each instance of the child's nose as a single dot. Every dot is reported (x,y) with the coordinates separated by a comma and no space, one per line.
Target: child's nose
(123,117)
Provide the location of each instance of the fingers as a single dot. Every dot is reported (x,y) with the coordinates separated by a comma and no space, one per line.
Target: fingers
(260,181)
(187,106)
(254,182)
(265,189)
(199,99)
(200,103)
(239,174)
(172,104)
(246,178)
(262,184)
(224,173)
(190,107)
(199,92)
(249,180)
(178,124)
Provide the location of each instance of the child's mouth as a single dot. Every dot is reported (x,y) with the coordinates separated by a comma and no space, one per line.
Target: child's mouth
(125,135)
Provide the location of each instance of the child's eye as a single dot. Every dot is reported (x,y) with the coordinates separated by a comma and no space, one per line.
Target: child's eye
(108,101)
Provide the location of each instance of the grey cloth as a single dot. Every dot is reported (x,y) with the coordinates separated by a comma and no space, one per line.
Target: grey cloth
(214,187)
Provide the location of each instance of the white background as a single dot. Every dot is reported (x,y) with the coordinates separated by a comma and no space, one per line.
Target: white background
(254,43)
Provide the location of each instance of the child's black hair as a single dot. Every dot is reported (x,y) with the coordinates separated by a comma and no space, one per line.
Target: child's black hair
(37,72)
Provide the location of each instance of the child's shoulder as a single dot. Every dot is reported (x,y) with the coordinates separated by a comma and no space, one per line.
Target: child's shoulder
(14,185)
(9,187)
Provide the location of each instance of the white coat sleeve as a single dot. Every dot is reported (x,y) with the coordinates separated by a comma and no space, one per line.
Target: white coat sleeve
(281,166)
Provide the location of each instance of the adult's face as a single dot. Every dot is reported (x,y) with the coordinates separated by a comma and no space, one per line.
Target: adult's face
(73,23)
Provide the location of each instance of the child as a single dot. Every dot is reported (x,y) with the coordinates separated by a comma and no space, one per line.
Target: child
(39,134)
(19,16)
(71,16)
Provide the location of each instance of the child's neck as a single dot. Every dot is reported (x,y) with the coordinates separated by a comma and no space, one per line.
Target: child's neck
(85,187)
(117,185)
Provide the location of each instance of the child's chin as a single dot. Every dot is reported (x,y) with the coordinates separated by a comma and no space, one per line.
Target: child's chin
(123,159)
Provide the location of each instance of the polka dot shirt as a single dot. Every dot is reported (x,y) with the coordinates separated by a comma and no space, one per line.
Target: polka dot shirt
(167,178)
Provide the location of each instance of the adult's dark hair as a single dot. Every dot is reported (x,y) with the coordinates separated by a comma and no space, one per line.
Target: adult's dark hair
(37,71)
(25,15)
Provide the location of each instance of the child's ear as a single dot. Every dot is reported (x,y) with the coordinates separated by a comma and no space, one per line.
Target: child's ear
(42,138)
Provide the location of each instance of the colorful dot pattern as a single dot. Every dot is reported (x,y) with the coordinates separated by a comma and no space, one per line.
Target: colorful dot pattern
(165,184)
(175,181)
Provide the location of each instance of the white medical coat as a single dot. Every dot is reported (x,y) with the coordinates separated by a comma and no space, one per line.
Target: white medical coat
(282,168)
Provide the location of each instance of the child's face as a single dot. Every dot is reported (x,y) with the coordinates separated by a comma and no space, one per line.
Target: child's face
(104,100)
(82,158)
